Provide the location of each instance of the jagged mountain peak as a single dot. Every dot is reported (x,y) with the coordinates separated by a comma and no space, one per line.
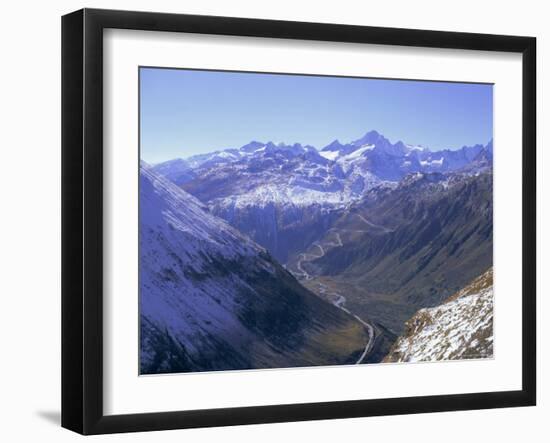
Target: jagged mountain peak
(371,137)
(335,145)
(252,146)
(379,141)
(259,148)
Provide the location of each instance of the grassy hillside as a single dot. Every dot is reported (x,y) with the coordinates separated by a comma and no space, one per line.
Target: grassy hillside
(407,248)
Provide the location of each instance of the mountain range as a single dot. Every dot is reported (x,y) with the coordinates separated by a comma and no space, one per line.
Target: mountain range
(334,174)
(308,256)
(282,195)
(212,299)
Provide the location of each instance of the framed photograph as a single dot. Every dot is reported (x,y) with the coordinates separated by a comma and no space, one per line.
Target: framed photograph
(269,221)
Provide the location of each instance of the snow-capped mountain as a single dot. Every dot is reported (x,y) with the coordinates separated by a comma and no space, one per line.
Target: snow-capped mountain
(281,194)
(459,328)
(280,174)
(269,173)
(387,161)
(209,295)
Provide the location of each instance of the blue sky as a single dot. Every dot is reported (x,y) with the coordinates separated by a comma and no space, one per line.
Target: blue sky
(186,112)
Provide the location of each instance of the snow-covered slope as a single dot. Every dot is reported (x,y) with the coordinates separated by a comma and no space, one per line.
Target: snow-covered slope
(460,328)
(212,299)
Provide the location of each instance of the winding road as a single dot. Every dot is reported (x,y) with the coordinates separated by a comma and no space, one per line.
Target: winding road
(339,300)
(370,343)
(374,225)
(304,257)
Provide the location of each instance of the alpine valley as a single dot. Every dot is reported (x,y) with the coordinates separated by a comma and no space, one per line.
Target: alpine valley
(273,255)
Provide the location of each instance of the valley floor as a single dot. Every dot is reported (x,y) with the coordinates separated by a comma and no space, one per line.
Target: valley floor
(332,292)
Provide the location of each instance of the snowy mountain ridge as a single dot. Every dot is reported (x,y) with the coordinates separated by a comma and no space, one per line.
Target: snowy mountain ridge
(300,175)
(192,219)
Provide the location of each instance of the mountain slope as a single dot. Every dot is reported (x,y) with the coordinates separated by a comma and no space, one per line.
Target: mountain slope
(459,328)
(211,299)
(178,170)
(405,248)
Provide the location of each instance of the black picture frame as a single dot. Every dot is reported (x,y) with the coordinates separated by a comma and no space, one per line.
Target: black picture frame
(82,215)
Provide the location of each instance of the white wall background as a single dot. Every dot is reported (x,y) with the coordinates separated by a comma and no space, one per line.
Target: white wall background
(30,218)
